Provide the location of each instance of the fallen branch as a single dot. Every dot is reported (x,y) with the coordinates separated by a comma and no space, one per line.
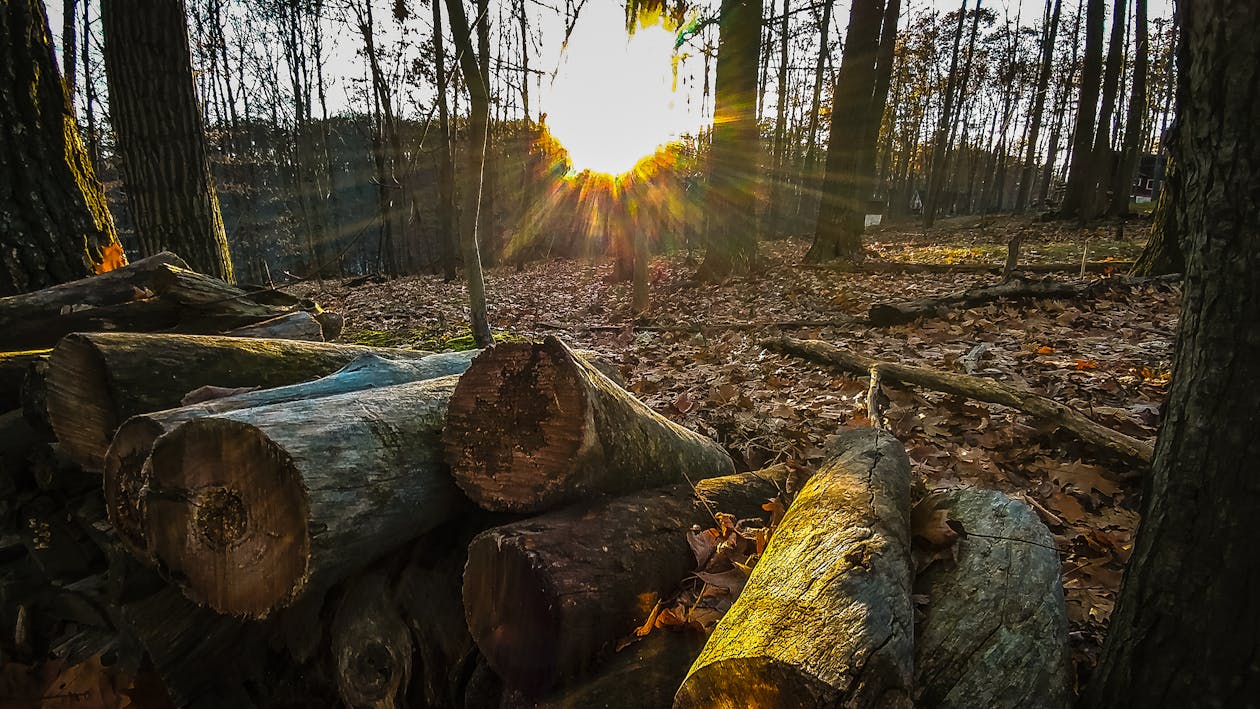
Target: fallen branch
(976,388)
(702,327)
(912,267)
(882,314)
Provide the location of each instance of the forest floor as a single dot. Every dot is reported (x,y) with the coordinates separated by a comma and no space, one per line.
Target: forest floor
(1108,356)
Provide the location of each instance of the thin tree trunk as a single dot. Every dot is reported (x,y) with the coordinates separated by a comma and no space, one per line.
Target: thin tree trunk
(68,55)
(1079,193)
(937,165)
(1123,181)
(1103,168)
(446,171)
(1038,107)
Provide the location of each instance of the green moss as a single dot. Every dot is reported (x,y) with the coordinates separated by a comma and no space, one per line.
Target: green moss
(434,339)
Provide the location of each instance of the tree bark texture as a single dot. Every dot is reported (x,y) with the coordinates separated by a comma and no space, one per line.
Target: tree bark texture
(157,119)
(54,219)
(1079,192)
(251,507)
(126,468)
(644,675)
(98,381)
(547,598)
(1162,254)
(994,631)
(1185,627)
(534,426)
(298,325)
(842,557)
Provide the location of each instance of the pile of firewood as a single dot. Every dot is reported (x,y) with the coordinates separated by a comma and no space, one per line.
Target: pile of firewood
(272,522)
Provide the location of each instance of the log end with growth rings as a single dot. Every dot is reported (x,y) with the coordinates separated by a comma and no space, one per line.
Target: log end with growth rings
(126,478)
(80,403)
(227,515)
(517,421)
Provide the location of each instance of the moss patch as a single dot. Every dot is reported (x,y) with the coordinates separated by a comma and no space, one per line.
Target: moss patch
(435,339)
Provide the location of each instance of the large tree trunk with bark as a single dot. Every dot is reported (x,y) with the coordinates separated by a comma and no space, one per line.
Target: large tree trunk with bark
(250,508)
(535,426)
(157,119)
(547,598)
(127,471)
(825,619)
(994,631)
(1184,629)
(1162,254)
(54,219)
(98,381)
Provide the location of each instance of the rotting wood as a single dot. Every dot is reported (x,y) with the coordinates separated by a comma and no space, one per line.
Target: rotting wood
(98,380)
(825,619)
(249,508)
(126,472)
(977,388)
(533,426)
(548,597)
(994,631)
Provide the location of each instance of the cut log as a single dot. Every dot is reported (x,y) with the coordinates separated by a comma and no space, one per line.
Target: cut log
(97,381)
(977,388)
(126,471)
(644,675)
(547,598)
(995,629)
(218,301)
(298,325)
(534,426)
(34,398)
(248,508)
(40,318)
(825,619)
(371,645)
(881,314)
(13,367)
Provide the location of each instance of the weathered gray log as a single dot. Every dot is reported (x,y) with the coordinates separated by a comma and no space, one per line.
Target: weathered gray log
(126,473)
(825,619)
(13,367)
(371,645)
(297,325)
(39,319)
(97,381)
(248,508)
(644,675)
(995,628)
(547,598)
(534,426)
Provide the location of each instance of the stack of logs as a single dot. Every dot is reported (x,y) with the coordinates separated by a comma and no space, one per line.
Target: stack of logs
(271,522)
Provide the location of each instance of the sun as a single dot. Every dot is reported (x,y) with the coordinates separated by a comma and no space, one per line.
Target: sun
(614,100)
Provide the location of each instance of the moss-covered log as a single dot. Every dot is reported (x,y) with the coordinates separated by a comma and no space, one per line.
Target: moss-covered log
(126,471)
(994,632)
(825,619)
(534,426)
(250,507)
(97,381)
(547,598)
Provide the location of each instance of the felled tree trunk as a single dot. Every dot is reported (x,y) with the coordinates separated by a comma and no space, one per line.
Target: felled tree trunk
(251,507)
(644,675)
(218,303)
(112,299)
(13,368)
(547,598)
(825,619)
(533,426)
(371,645)
(298,325)
(96,381)
(126,471)
(995,627)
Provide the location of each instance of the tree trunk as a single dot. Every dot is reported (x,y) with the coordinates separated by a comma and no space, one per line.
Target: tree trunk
(995,629)
(1122,183)
(298,325)
(731,239)
(447,237)
(98,381)
(547,598)
(251,507)
(1162,254)
(644,675)
(56,221)
(158,124)
(1183,631)
(842,554)
(1103,156)
(940,141)
(535,426)
(1038,106)
(126,468)
(1079,191)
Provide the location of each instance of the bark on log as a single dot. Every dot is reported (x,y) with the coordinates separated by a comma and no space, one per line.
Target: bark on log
(40,318)
(534,426)
(977,388)
(371,645)
(825,619)
(644,675)
(298,325)
(96,381)
(995,628)
(126,472)
(220,301)
(882,314)
(250,507)
(13,368)
(547,598)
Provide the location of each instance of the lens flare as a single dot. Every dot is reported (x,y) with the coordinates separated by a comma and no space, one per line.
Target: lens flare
(614,100)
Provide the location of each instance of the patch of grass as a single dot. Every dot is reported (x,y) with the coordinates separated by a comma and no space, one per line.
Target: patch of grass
(433,339)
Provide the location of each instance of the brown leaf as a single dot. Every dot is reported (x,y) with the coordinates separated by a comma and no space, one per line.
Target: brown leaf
(683,403)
